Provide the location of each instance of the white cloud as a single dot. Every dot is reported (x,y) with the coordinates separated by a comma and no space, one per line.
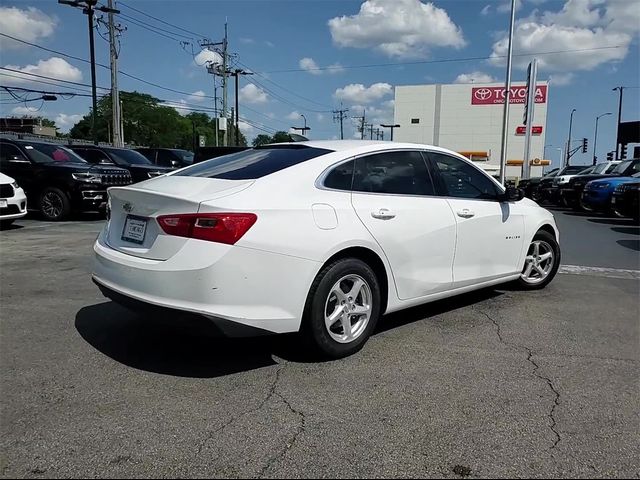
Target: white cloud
(247,41)
(24,110)
(561,79)
(207,57)
(181,110)
(198,96)
(294,115)
(252,94)
(358,93)
(65,122)
(505,7)
(588,25)
(245,128)
(269,44)
(474,77)
(309,65)
(319,117)
(54,67)
(485,11)
(30,24)
(398,28)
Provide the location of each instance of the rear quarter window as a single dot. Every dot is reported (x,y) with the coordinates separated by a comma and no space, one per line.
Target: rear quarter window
(253,163)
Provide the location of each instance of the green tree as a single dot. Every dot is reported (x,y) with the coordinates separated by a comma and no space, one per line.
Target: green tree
(47,123)
(262,139)
(281,136)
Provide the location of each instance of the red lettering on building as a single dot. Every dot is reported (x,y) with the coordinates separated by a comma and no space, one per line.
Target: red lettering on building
(496,95)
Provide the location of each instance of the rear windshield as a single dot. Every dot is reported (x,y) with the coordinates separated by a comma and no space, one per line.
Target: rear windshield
(126,157)
(184,155)
(253,163)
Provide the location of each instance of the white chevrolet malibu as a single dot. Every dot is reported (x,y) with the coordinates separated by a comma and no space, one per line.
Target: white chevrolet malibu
(321,237)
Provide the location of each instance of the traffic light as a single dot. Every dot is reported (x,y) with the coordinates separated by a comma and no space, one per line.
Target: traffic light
(584,145)
(623,151)
(609,156)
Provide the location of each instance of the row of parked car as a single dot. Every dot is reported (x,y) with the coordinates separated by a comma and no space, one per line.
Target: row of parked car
(609,187)
(61,179)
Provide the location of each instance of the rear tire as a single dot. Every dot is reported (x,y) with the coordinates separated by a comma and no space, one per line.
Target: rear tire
(342,308)
(54,204)
(541,263)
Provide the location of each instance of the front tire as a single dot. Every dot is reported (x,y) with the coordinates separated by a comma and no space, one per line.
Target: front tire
(541,262)
(54,204)
(342,308)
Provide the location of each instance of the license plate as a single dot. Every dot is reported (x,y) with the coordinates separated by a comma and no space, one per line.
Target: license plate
(3,204)
(134,229)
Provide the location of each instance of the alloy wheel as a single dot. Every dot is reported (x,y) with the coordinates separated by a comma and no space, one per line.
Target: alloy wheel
(538,263)
(348,309)
(52,205)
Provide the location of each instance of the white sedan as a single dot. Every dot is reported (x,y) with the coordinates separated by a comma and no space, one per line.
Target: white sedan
(321,237)
(13,201)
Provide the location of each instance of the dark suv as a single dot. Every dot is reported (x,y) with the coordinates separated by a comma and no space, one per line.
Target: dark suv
(55,179)
(139,167)
(168,157)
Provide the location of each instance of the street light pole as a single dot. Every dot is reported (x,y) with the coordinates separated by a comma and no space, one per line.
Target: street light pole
(618,153)
(595,136)
(569,139)
(507,95)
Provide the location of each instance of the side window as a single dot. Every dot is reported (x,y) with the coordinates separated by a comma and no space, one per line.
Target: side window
(164,158)
(340,177)
(10,152)
(403,173)
(92,155)
(463,180)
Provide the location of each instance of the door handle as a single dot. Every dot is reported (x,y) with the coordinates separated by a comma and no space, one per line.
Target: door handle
(465,213)
(383,214)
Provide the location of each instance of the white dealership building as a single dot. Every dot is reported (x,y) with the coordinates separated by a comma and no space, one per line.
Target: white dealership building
(467,118)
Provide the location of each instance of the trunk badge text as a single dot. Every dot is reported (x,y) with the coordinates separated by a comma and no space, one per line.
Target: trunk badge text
(127,207)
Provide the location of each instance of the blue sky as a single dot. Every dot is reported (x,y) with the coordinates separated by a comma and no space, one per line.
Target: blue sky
(269,37)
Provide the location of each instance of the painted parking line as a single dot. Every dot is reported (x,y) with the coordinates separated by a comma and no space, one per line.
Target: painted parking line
(599,272)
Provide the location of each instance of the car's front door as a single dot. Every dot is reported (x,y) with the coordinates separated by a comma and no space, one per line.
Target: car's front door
(394,197)
(490,232)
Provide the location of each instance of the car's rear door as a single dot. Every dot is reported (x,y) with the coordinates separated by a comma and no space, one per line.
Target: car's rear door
(393,195)
(490,232)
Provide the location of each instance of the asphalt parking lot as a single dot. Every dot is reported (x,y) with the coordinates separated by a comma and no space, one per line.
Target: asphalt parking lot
(498,383)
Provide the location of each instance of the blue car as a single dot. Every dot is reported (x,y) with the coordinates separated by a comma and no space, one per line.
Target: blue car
(597,194)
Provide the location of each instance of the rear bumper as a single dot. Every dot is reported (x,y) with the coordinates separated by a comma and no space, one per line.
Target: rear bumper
(251,288)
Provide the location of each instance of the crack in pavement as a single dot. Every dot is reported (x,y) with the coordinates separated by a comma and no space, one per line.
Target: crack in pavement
(211,434)
(301,428)
(536,367)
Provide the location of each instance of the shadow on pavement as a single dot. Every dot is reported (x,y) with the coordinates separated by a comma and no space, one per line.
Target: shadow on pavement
(627,230)
(630,244)
(198,350)
(612,221)
(13,226)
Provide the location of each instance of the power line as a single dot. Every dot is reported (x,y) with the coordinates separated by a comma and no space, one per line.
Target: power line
(44,76)
(152,29)
(160,20)
(443,60)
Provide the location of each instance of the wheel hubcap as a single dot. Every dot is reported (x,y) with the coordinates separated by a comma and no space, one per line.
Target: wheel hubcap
(52,205)
(538,262)
(348,309)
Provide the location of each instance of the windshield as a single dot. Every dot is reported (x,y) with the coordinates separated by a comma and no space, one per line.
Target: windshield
(185,155)
(252,163)
(127,157)
(552,173)
(622,167)
(601,168)
(45,153)
(575,169)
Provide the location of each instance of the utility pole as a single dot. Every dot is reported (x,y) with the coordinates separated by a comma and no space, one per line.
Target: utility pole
(618,153)
(89,8)
(339,116)
(569,139)
(595,137)
(236,73)
(391,127)
(115,94)
(214,69)
(360,126)
(225,46)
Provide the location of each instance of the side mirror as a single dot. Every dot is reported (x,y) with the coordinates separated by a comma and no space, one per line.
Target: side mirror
(512,194)
(175,164)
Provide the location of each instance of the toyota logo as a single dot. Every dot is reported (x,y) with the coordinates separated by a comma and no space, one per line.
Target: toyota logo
(482,93)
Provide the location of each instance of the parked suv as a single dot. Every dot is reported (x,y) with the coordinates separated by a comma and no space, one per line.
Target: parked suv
(56,180)
(167,157)
(137,164)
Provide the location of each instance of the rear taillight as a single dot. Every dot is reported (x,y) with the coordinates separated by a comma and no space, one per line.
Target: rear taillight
(213,227)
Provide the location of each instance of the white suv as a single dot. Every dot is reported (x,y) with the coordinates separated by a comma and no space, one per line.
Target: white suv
(13,201)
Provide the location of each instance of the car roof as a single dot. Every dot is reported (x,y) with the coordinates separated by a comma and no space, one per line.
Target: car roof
(367,145)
